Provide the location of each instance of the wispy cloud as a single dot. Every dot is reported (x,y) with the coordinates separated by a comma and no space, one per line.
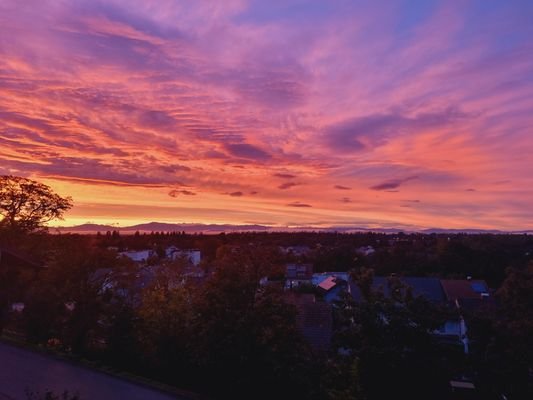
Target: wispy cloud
(392,183)
(284,176)
(287,185)
(298,204)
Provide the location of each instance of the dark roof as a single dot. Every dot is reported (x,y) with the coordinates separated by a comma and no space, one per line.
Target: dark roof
(429,288)
(314,320)
(13,257)
(299,271)
(463,289)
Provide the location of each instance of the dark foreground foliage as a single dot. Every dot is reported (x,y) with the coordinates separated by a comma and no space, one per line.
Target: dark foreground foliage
(227,336)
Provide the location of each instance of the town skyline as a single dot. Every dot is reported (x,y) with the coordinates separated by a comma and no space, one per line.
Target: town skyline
(404,115)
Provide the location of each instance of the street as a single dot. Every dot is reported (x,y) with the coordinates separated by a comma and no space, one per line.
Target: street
(22,370)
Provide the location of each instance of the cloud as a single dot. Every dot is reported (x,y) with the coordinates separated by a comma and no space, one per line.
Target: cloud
(174,168)
(287,185)
(248,151)
(298,204)
(367,132)
(214,155)
(346,200)
(176,193)
(340,187)
(392,184)
(236,194)
(93,170)
(284,176)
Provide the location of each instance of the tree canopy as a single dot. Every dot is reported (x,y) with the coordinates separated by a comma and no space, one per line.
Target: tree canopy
(27,205)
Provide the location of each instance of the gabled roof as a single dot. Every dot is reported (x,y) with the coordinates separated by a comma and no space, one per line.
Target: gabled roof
(428,288)
(12,256)
(329,283)
(464,289)
(314,319)
(299,271)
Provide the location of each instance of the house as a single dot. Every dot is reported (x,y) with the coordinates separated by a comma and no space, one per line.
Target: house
(331,284)
(103,277)
(314,320)
(365,250)
(297,251)
(17,270)
(327,284)
(16,259)
(454,330)
(140,256)
(468,294)
(18,307)
(193,256)
(428,288)
(297,274)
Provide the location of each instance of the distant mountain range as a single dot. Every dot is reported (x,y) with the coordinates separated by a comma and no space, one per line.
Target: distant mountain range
(218,228)
(162,227)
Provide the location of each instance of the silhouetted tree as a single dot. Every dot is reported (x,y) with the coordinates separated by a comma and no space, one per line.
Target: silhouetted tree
(386,339)
(27,205)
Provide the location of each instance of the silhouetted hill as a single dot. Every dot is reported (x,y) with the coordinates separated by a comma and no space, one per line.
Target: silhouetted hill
(217,228)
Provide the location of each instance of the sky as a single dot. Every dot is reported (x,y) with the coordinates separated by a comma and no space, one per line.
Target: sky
(377,114)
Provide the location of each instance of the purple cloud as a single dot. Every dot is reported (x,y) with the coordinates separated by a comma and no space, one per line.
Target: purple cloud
(247,151)
(173,168)
(392,184)
(361,133)
(287,185)
(284,176)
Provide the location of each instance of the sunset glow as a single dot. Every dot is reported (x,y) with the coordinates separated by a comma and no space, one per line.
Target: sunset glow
(405,114)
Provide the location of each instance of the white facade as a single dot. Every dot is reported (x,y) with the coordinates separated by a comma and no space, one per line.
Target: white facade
(366,250)
(137,256)
(194,256)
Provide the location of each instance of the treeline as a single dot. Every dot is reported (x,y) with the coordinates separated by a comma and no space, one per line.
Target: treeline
(485,256)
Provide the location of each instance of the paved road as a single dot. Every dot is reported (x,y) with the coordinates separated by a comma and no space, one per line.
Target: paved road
(22,369)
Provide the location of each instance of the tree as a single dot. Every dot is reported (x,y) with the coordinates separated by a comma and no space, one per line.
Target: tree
(385,338)
(27,205)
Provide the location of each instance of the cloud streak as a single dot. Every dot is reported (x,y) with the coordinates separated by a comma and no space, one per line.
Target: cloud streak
(391,184)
